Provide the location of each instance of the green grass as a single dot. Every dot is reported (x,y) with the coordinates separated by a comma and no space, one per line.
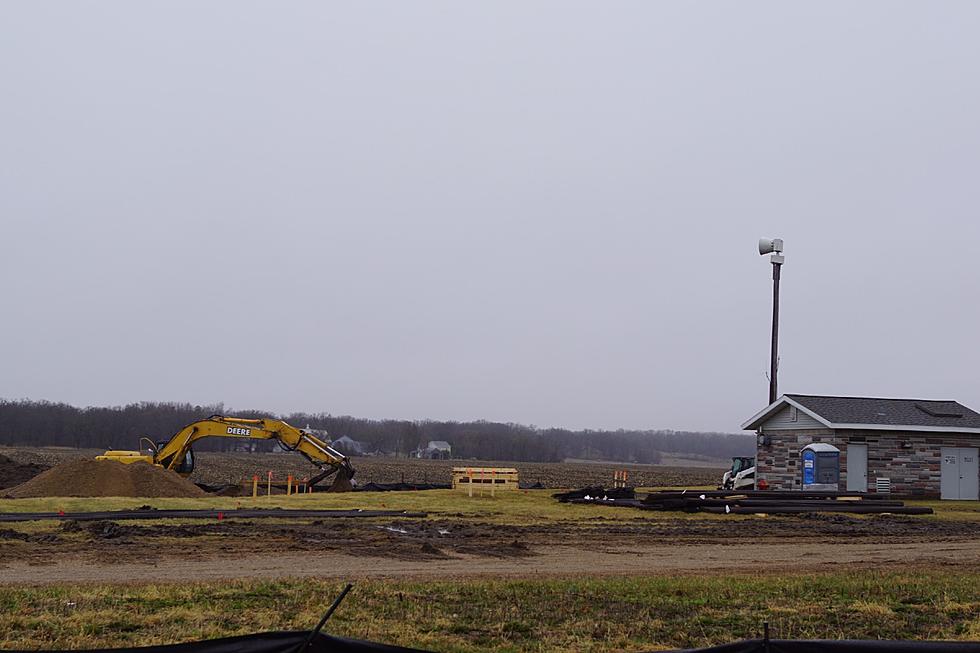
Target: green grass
(612,614)
(954,510)
(513,507)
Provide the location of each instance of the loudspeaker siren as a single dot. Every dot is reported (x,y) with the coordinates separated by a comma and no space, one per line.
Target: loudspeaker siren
(767,245)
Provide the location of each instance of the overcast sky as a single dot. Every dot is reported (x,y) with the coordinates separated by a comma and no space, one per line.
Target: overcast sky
(540,212)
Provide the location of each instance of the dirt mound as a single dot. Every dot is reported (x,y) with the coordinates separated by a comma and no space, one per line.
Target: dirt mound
(13,473)
(106,478)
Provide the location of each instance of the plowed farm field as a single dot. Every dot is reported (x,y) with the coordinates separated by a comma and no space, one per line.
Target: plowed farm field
(223,468)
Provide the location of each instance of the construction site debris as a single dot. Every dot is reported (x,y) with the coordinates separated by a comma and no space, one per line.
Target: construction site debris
(14,473)
(105,478)
(596,493)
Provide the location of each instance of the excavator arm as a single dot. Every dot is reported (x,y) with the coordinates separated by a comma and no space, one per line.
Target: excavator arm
(173,453)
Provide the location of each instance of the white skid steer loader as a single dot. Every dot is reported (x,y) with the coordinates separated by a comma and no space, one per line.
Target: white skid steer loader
(741,476)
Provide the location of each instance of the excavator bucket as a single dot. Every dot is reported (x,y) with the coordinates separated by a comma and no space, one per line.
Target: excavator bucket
(341,482)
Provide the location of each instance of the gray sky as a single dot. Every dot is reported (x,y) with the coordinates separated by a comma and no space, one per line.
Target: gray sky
(542,212)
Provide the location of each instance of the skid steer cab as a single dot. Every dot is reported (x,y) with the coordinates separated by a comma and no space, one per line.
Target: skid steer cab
(741,476)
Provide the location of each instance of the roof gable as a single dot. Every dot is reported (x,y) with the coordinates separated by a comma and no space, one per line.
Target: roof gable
(873,413)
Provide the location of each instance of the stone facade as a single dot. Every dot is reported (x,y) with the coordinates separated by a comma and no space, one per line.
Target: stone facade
(911,460)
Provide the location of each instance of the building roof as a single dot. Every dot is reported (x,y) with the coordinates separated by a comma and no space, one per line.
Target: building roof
(349,443)
(438,444)
(873,413)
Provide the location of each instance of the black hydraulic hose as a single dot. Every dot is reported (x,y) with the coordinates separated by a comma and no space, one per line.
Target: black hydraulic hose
(323,621)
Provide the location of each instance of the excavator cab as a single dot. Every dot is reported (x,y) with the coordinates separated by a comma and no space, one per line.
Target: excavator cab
(186,466)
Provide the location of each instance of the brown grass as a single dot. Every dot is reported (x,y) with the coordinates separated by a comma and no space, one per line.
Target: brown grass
(600,615)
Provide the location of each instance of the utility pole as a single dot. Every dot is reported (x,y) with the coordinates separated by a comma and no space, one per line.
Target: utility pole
(775,248)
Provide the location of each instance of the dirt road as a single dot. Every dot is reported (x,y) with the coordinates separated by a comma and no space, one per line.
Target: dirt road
(635,559)
(453,547)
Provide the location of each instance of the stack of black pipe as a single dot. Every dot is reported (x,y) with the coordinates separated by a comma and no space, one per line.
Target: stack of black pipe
(773,502)
(754,501)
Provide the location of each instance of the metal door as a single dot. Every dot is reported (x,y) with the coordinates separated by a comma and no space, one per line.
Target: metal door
(959,476)
(969,474)
(857,468)
(949,479)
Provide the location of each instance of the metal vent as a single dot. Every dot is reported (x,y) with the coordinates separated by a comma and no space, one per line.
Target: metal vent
(883,485)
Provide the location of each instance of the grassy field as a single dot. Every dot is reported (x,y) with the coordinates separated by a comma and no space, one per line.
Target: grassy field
(613,614)
(516,507)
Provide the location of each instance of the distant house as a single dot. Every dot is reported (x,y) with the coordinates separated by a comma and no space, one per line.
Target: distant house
(435,450)
(908,446)
(348,445)
(344,444)
(320,433)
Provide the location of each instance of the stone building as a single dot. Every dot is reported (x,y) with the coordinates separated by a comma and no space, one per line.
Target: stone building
(917,447)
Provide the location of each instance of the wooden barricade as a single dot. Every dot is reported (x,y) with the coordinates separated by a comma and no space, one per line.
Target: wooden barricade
(484,479)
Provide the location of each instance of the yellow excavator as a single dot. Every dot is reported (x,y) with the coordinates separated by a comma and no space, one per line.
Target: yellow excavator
(177,455)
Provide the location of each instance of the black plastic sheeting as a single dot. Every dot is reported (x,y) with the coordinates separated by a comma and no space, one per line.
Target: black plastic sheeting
(242,513)
(401,487)
(283,642)
(838,646)
(292,642)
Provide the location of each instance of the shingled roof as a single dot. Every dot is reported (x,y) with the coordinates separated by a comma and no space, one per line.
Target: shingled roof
(873,413)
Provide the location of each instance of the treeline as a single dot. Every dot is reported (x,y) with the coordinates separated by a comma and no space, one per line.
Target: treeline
(42,423)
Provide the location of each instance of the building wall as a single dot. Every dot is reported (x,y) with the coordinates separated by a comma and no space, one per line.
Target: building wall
(779,461)
(913,469)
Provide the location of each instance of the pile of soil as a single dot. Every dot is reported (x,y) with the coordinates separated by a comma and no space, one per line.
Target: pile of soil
(106,478)
(13,473)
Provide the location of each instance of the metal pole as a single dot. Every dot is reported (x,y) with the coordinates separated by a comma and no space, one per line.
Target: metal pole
(773,361)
